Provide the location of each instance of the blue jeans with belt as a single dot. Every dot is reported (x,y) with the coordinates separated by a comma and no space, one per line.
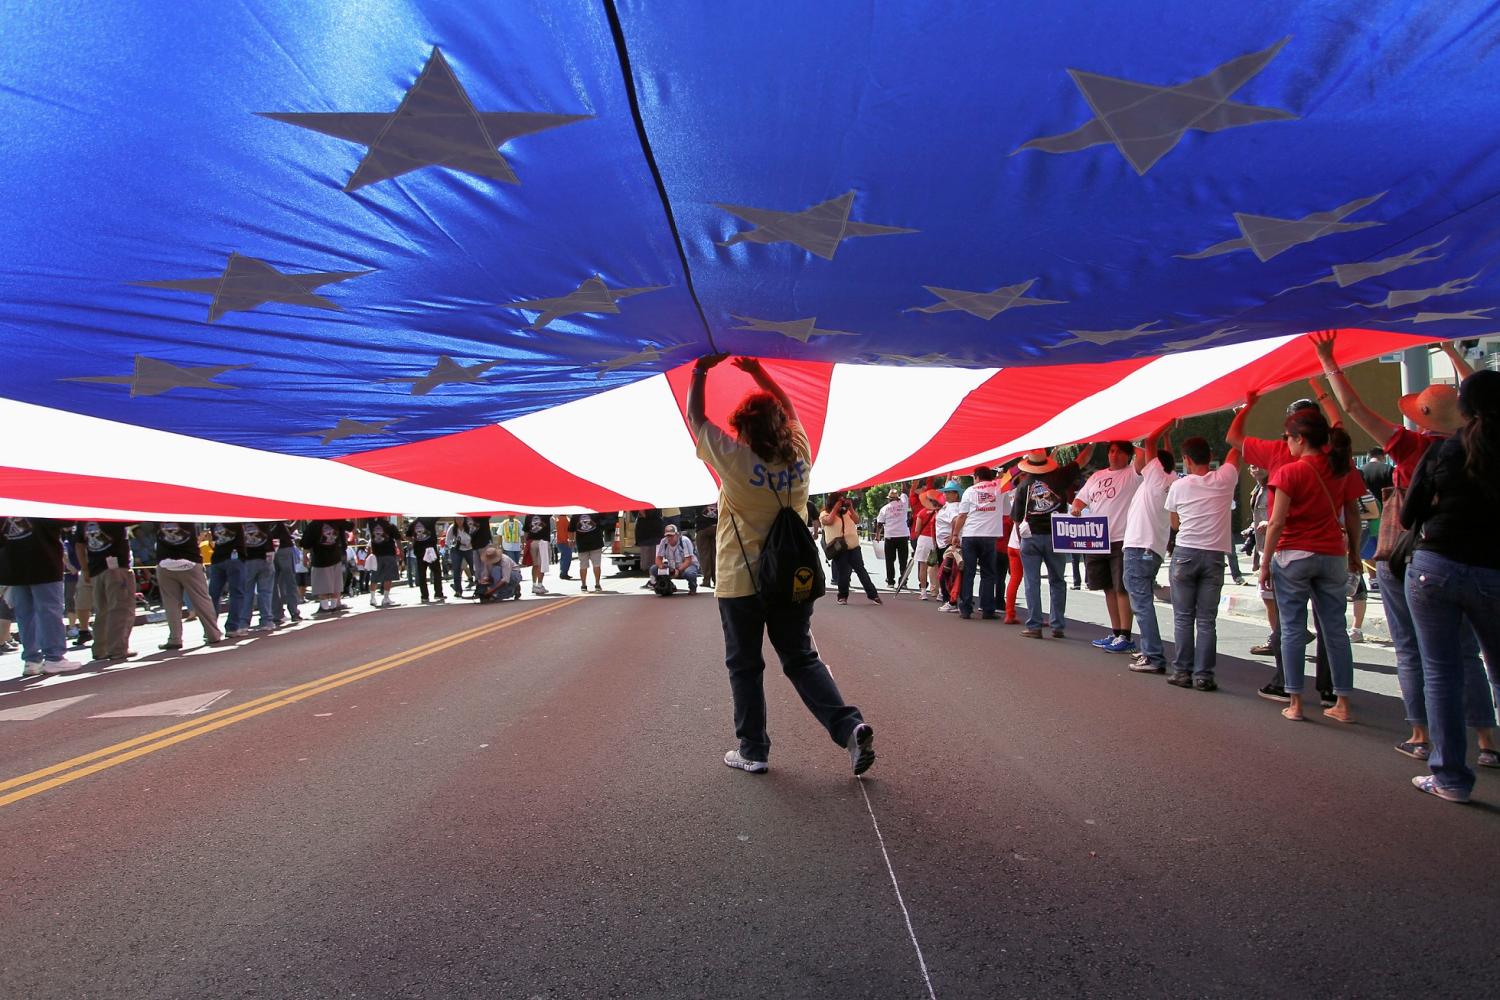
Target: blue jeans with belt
(1036,550)
(39,614)
(1140,577)
(1321,578)
(1443,594)
(1479,702)
(1197,579)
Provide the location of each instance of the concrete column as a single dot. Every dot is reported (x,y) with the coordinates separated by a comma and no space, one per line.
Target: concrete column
(1416,372)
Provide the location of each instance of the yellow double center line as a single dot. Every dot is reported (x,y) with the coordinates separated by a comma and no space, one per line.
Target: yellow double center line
(26,785)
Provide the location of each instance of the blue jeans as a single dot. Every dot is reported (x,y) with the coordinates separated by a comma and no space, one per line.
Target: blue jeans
(457,560)
(1140,576)
(1442,594)
(228,574)
(1036,550)
(257,592)
(1197,577)
(746,624)
(1321,578)
(39,616)
(564,558)
(288,602)
(980,554)
(1479,703)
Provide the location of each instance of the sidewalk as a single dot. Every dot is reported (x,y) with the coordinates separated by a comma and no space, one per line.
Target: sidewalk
(1245,603)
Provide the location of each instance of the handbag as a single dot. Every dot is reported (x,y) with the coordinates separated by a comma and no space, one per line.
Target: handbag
(372,562)
(1393,497)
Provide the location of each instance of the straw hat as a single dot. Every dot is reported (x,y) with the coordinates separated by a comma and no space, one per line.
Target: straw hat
(1038,463)
(490,555)
(1435,408)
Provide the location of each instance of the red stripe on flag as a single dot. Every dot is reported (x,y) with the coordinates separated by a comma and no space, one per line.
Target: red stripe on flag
(805,383)
(489,462)
(103,493)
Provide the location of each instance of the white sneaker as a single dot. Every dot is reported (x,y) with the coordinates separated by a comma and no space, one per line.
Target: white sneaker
(537,588)
(1355,635)
(944,606)
(733,759)
(59,666)
(922,596)
(33,668)
(952,609)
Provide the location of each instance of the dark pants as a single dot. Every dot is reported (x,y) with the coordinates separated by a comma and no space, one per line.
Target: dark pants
(459,559)
(287,602)
(852,562)
(896,550)
(706,542)
(433,569)
(980,554)
(1077,561)
(745,621)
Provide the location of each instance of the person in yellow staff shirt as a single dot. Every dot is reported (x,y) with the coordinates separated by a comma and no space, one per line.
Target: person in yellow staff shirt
(763,468)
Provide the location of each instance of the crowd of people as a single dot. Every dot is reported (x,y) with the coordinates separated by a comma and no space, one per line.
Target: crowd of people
(1439,577)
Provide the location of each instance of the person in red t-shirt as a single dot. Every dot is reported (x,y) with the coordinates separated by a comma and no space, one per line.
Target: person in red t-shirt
(1312,548)
(925,505)
(1435,410)
(1272,454)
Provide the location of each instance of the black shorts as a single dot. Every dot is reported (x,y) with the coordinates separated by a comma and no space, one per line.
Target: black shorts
(1106,572)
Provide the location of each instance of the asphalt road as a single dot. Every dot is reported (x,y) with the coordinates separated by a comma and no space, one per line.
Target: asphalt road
(533,805)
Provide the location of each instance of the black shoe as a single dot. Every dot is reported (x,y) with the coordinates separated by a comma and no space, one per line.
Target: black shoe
(1204,684)
(1058,633)
(1327,699)
(1274,692)
(989,616)
(1181,680)
(964,616)
(1264,649)
(170,645)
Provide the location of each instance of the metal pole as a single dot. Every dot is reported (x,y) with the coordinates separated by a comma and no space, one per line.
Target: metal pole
(1416,372)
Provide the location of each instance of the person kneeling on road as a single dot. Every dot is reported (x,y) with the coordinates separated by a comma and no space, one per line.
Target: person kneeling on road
(498,577)
(675,560)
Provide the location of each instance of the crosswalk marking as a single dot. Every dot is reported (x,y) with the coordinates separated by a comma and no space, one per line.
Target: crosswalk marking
(30,713)
(190,705)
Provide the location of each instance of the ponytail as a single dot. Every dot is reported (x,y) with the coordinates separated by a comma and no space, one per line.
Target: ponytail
(1339,450)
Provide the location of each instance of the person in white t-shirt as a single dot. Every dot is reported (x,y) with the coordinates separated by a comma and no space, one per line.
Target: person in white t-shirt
(1147,528)
(979,526)
(1199,505)
(1107,493)
(895,522)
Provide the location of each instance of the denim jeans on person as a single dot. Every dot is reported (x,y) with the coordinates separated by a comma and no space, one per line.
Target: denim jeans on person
(39,617)
(257,591)
(564,558)
(227,575)
(1479,701)
(1321,578)
(1442,594)
(1141,566)
(746,622)
(1197,578)
(459,558)
(287,603)
(1036,550)
(980,556)
(851,562)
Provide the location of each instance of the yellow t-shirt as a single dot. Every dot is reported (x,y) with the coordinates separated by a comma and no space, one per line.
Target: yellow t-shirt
(748,488)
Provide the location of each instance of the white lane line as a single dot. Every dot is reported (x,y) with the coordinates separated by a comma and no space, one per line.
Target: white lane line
(922,962)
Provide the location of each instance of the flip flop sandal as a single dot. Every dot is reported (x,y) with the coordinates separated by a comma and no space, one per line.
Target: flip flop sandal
(1416,751)
(1489,758)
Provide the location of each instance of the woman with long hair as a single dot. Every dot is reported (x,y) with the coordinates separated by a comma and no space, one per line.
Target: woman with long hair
(763,467)
(1454,574)
(1312,547)
(839,522)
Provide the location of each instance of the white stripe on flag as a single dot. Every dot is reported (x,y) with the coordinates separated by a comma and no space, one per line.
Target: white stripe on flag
(631,440)
(880,414)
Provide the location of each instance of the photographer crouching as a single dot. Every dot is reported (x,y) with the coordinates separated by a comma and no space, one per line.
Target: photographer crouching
(675,560)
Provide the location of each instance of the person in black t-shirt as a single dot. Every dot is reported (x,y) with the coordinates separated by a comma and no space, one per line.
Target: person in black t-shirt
(179,573)
(226,572)
(588,537)
(31,566)
(538,528)
(385,540)
(1044,488)
(325,543)
(649,528)
(259,556)
(104,554)
(422,532)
